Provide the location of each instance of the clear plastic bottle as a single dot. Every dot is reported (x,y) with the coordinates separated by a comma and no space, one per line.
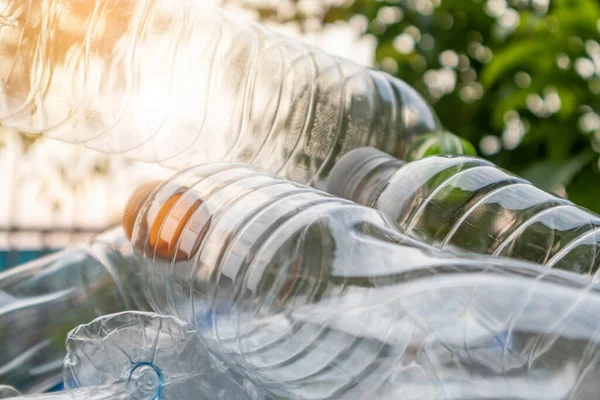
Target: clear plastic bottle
(315,297)
(141,356)
(41,301)
(180,83)
(471,204)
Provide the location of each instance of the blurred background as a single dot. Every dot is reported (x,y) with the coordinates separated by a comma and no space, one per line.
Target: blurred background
(520,79)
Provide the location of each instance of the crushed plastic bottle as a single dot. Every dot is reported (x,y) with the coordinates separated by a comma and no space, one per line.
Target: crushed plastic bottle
(471,204)
(180,83)
(41,301)
(141,356)
(315,297)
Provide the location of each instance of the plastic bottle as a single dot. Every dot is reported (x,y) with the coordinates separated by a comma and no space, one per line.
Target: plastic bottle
(315,297)
(41,301)
(141,356)
(471,204)
(180,83)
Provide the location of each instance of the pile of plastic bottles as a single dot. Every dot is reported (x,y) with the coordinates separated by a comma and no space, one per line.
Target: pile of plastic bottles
(292,255)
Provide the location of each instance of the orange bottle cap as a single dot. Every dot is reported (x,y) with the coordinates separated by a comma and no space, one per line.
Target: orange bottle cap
(134,205)
(165,222)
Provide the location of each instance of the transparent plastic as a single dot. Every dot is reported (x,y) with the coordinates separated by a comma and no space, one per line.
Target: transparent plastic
(141,356)
(315,297)
(180,83)
(41,301)
(8,391)
(469,203)
(442,142)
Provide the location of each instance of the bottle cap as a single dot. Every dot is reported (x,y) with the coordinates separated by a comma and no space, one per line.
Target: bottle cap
(134,205)
(166,220)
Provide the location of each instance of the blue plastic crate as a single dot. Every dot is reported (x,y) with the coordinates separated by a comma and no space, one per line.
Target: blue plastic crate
(12,258)
(57,388)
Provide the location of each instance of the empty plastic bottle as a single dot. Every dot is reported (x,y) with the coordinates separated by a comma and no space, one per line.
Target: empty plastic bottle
(469,203)
(41,301)
(180,83)
(315,297)
(141,356)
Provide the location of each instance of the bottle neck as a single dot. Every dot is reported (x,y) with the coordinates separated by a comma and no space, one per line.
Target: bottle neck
(362,174)
(114,253)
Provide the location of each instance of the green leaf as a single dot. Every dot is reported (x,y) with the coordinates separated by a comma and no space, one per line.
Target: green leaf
(443,143)
(583,191)
(568,100)
(523,55)
(549,175)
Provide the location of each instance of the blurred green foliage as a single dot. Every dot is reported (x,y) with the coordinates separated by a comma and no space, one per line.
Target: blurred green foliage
(439,143)
(518,78)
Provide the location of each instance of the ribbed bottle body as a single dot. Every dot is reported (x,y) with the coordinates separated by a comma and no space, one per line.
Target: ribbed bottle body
(315,297)
(471,204)
(179,83)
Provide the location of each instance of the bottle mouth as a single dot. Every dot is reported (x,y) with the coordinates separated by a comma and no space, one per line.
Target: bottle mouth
(145,382)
